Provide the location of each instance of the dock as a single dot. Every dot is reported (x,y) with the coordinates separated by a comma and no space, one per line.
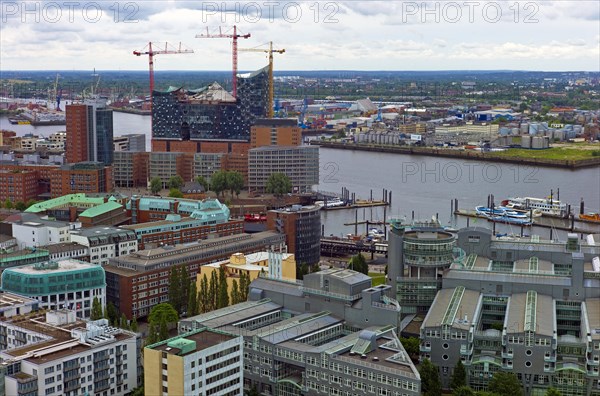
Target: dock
(358,205)
(542,221)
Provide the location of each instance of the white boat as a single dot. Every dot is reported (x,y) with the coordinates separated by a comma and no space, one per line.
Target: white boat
(333,202)
(545,205)
(376,233)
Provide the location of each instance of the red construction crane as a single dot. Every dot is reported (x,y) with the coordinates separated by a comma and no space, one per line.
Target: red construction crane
(166,49)
(234,50)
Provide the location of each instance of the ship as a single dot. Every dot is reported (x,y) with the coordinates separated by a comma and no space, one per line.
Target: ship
(18,120)
(44,118)
(547,206)
(595,217)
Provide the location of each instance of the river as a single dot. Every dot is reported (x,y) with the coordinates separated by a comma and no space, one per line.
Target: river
(421,184)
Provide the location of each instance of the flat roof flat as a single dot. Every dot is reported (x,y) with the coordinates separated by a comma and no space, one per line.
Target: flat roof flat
(592,306)
(204,339)
(452,305)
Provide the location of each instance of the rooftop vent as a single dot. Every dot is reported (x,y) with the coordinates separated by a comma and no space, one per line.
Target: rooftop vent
(375,359)
(363,356)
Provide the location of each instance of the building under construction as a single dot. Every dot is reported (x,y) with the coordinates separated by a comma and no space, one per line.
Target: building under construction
(209,113)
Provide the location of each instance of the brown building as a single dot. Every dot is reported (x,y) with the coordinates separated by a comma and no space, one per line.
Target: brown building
(77,133)
(18,185)
(138,281)
(302,228)
(275,132)
(86,177)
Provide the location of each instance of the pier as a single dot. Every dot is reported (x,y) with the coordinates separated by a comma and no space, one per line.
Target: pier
(351,202)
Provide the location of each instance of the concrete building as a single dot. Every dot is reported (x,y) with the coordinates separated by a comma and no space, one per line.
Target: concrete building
(209,219)
(418,253)
(143,209)
(15,305)
(275,132)
(327,338)
(130,169)
(299,163)
(86,177)
(277,264)
(104,243)
(138,281)
(59,284)
(23,257)
(135,142)
(67,250)
(71,357)
(521,305)
(302,228)
(200,362)
(89,132)
(32,230)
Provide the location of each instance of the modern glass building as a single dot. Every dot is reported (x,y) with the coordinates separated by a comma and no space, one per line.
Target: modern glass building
(59,284)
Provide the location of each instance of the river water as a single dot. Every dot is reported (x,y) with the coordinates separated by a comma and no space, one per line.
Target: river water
(421,184)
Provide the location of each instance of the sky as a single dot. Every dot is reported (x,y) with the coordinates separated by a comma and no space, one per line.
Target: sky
(317,35)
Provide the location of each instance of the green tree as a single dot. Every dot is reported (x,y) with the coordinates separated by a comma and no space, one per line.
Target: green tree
(459,376)
(192,306)
(235,292)
(505,384)
(223,297)
(96,309)
(134,325)
(213,286)
(163,330)
(175,292)
(411,345)
(184,279)
(176,182)
(278,184)
(155,185)
(8,204)
(203,298)
(175,193)
(123,322)
(358,263)
(302,270)
(163,310)
(31,202)
(552,392)
(315,268)
(112,314)
(203,182)
(430,379)
(244,286)
(20,206)
(139,391)
(218,182)
(152,334)
(252,391)
(235,182)
(463,391)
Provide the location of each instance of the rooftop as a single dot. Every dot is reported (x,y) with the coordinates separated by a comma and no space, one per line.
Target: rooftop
(202,339)
(593,311)
(63,247)
(101,209)
(99,231)
(530,312)
(451,306)
(64,201)
(53,267)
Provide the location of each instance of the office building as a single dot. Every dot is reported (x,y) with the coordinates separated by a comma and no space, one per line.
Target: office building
(65,356)
(275,132)
(32,230)
(145,209)
(418,253)
(89,132)
(130,169)
(301,226)
(334,334)
(82,177)
(104,243)
(18,185)
(200,362)
(138,281)
(299,163)
(25,256)
(135,142)
(59,284)
(521,305)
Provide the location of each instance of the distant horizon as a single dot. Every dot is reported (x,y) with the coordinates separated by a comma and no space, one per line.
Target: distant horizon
(313,70)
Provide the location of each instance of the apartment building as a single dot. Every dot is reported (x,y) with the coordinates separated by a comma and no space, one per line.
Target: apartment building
(104,243)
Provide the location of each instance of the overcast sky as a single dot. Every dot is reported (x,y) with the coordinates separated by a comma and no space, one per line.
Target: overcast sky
(349,35)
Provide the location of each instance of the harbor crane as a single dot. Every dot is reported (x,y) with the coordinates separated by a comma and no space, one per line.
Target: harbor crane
(57,93)
(234,50)
(153,49)
(270,52)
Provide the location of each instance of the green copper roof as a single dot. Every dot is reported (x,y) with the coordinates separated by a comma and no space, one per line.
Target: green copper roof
(101,209)
(65,200)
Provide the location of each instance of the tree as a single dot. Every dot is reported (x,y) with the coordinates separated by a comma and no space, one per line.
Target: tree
(152,334)
(235,292)
(252,391)
(463,391)
(192,306)
(163,330)
(244,286)
(430,379)
(552,392)
(134,325)
(163,310)
(138,391)
(112,314)
(155,185)
(315,268)
(235,182)
(176,182)
(301,270)
(96,309)
(203,182)
(184,279)
(175,193)
(30,202)
(358,263)
(20,206)
(505,384)
(223,297)
(213,286)
(278,184)
(123,322)
(459,376)
(218,182)
(8,204)
(203,299)
(175,292)
(411,345)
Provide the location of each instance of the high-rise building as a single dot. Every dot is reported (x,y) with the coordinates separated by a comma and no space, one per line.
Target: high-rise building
(89,132)
(302,228)
(208,114)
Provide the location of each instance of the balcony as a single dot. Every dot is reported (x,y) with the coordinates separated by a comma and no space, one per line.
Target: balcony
(74,385)
(424,348)
(465,350)
(507,355)
(551,358)
(71,374)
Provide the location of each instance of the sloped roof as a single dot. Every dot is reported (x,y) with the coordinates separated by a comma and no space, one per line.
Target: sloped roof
(101,209)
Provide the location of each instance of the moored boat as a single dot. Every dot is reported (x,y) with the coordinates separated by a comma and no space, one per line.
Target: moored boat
(595,217)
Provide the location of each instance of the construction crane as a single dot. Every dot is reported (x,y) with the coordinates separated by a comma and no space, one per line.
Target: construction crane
(151,50)
(57,94)
(234,50)
(269,51)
